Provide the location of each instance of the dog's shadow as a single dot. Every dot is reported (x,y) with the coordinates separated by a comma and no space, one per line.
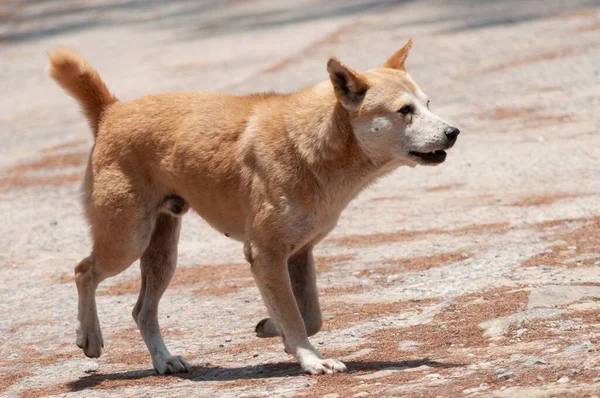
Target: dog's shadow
(216,373)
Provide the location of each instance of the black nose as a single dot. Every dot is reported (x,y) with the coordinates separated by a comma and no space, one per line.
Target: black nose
(451,133)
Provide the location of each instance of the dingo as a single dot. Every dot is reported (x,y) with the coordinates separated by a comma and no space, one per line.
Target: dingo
(273,171)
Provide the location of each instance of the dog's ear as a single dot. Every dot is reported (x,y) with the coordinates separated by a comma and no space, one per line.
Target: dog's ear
(350,87)
(396,61)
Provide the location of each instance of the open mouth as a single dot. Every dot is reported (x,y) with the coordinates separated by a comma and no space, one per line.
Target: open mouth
(430,157)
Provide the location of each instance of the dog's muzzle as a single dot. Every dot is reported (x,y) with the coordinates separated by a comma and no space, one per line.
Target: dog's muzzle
(438,156)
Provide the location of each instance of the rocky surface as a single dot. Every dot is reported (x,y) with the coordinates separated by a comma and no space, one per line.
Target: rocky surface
(480,277)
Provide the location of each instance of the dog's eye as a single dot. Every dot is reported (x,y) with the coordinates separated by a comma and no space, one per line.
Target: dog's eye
(406,110)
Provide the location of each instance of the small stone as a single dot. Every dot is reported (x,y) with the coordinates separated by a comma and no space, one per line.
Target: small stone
(330,395)
(90,367)
(246,301)
(14,355)
(506,376)
(221,345)
(521,332)
(499,371)
(482,387)
(574,371)
(434,376)
(53,223)
(580,347)
(228,340)
(306,385)
(409,345)
(535,361)
(563,380)
(540,378)
(361,394)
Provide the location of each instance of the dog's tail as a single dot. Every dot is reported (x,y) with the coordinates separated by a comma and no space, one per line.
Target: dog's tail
(82,82)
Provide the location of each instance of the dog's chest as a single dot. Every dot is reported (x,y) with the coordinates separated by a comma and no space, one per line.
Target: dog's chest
(311,227)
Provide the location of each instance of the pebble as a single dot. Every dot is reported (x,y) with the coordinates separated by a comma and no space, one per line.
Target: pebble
(506,376)
(574,371)
(580,347)
(563,380)
(482,387)
(377,375)
(228,340)
(521,332)
(361,394)
(330,396)
(14,355)
(90,367)
(534,361)
(409,345)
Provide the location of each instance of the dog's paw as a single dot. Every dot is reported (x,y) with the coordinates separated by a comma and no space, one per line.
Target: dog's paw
(266,328)
(170,364)
(90,341)
(317,366)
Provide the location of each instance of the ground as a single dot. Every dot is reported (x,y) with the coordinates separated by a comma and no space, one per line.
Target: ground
(480,277)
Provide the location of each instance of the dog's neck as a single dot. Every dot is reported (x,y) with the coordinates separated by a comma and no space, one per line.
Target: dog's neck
(325,140)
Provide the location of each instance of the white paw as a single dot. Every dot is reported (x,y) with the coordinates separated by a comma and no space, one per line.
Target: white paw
(170,364)
(316,366)
(90,341)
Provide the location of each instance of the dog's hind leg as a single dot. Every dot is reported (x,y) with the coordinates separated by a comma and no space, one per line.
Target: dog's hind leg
(158,265)
(118,242)
(121,223)
(303,277)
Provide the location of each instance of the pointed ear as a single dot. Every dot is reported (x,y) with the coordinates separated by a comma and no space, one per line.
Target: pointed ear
(396,61)
(350,87)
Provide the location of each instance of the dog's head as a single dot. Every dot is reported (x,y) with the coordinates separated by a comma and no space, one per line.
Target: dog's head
(390,115)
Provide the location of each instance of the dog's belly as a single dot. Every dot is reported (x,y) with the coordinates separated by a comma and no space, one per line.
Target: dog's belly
(224,215)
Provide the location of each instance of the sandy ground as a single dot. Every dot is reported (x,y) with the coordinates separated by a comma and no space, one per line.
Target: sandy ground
(480,277)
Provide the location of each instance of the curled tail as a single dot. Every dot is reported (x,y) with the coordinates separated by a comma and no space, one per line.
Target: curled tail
(82,82)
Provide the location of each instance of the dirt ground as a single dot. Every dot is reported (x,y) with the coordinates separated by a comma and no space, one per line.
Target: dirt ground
(477,278)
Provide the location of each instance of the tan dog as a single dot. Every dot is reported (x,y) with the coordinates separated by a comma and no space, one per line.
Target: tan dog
(271,170)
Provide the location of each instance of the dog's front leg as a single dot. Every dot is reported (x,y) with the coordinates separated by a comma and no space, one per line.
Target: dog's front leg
(270,271)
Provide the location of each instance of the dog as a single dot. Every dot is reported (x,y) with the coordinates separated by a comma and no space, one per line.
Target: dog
(273,171)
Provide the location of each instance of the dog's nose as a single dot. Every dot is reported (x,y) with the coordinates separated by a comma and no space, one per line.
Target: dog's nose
(451,133)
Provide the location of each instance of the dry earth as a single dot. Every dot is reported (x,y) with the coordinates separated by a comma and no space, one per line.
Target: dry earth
(480,277)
